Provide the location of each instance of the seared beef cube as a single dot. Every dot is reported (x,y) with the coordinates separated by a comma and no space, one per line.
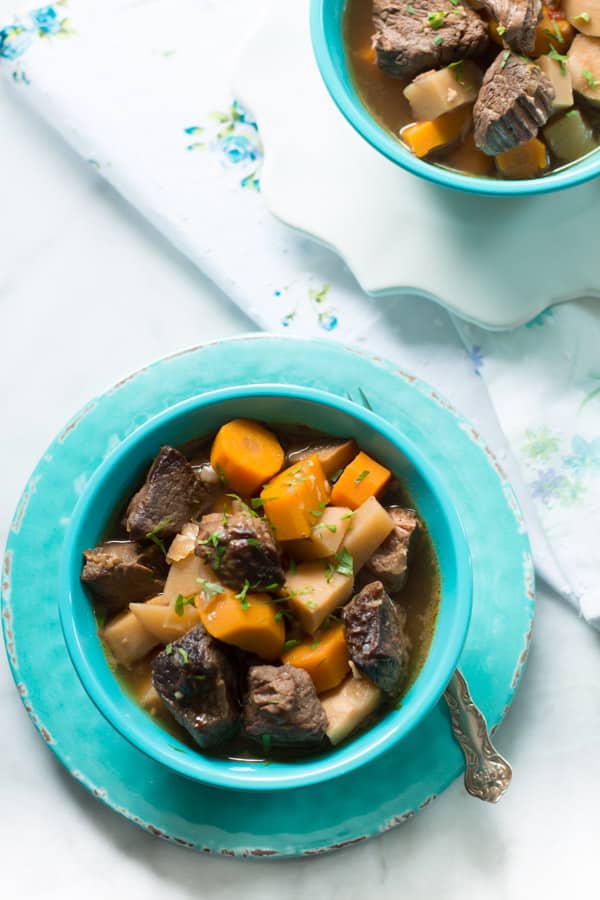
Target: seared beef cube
(197,681)
(376,640)
(171,496)
(519,19)
(123,572)
(282,706)
(240,547)
(415,35)
(389,563)
(515,100)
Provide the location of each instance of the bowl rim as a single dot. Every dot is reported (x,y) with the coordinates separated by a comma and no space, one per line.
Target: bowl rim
(357,114)
(396,724)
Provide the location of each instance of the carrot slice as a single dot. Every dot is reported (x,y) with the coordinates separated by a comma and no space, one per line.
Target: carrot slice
(361,479)
(527,161)
(247,620)
(324,656)
(294,501)
(246,455)
(424,137)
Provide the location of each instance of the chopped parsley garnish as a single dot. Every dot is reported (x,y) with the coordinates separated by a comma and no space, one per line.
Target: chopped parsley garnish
(271,587)
(505,59)
(438,40)
(199,677)
(559,57)
(311,604)
(169,649)
(342,563)
(457,68)
(253,542)
(411,10)
(315,644)
(590,78)
(243,504)
(293,567)
(436,19)
(331,528)
(178,695)
(282,614)
(153,535)
(585,17)
(100,618)
(501,29)
(348,515)
(221,474)
(557,32)
(362,475)
(330,621)
(183,655)
(245,603)
(335,476)
(289,645)
(257,502)
(210,587)
(266,742)
(454,2)
(573,113)
(182,602)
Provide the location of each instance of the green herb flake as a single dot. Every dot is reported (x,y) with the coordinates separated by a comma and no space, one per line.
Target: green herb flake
(100,618)
(244,602)
(315,644)
(590,78)
(183,655)
(436,19)
(559,58)
(572,114)
(182,602)
(411,10)
(455,2)
(331,528)
(317,513)
(210,588)
(457,69)
(438,40)
(282,614)
(362,476)
(501,30)
(311,604)
(271,587)
(330,621)
(244,505)
(348,515)
(505,59)
(153,535)
(336,476)
(343,562)
(266,743)
(289,645)
(169,649)
(199,677)
(178,695)
(221,475)
(557,32)
(584,17)
(293,567)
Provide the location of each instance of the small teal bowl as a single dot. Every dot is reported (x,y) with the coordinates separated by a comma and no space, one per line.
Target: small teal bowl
(327,37)
(280,404)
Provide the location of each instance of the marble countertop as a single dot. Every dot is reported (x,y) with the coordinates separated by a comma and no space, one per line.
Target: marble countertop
(89,292)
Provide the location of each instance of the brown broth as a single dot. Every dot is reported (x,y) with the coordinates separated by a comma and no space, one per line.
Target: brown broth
(419,599)
(383,95)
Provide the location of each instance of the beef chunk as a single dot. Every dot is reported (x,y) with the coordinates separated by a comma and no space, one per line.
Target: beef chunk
(122,572)
(240,547)
(375,637)
(196,680)
(519,18)
(282,703)
(171,496)
(390,562)
(415,35)
(515,100)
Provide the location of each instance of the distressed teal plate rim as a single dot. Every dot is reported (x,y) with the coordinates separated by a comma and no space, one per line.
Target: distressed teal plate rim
(353,807)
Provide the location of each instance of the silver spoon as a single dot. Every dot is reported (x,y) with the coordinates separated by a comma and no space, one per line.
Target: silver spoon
(487,773)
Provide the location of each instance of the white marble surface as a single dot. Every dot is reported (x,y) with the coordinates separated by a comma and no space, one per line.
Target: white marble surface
(89,292)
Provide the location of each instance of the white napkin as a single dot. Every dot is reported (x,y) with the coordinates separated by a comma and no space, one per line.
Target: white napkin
(140,89)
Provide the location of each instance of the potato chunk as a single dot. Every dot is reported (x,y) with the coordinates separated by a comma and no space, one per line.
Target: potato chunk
(348,705)
(127,639)
(584,63)
(183,577)
(314,591)
(560,76)
(167,622)
(570,137)
(326,536)
(584,15)
(437,92)
(369,527)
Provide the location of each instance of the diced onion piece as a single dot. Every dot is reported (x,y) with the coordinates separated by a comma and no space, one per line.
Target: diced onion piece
(184,543)
(434,93)
(348,705)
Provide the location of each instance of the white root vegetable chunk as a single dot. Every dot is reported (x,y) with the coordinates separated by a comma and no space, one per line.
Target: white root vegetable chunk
(584,15)
(437,92)
(183,577)
(127,639)
(184,543)
(147,695)
(333,457)
(560,76)
(584,63)
(348,705)
(369,527)
(163,621)
(314,592)
(570,137)
(326,536)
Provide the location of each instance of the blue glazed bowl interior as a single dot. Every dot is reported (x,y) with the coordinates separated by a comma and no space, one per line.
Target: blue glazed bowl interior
(115,480)
(327,37)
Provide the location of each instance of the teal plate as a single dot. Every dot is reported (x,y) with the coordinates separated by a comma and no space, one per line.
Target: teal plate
(351,808)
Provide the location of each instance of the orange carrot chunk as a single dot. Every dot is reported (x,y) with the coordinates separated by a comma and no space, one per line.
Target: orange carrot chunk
(466,157)
(527,161)
(294,501)
(246,455)
(324,656)
(424,137)
(361,479)
(246,620)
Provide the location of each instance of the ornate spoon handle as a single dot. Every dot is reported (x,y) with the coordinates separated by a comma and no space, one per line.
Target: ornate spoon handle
(487,774)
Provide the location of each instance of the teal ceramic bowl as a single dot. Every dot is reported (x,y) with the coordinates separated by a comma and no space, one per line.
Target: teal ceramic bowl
(327,37)
(124,467)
